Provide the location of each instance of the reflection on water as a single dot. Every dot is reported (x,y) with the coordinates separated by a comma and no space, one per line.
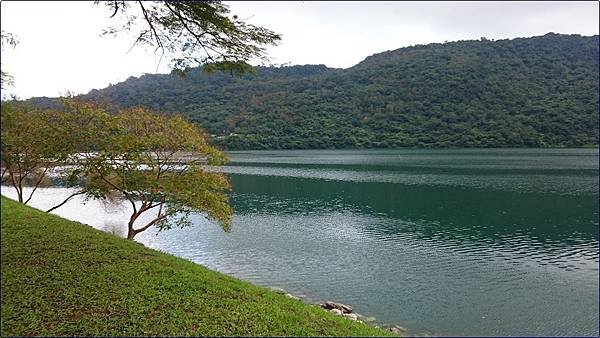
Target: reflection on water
(453,242)
(561,171)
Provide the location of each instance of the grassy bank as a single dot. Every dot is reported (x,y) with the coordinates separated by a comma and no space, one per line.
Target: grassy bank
(64,278)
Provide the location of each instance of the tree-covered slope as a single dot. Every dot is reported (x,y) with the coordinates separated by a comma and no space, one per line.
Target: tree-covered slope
(534,92)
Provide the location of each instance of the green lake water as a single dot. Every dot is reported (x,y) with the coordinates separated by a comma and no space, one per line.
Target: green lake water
(442,242)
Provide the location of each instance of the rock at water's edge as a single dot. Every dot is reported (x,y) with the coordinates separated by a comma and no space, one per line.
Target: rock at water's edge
(277,290)
(397,329)
(351,316)
(333,305)
(292,296)
(336,311)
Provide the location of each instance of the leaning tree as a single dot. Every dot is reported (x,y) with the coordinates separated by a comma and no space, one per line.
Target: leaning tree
(157,163)
(163,167)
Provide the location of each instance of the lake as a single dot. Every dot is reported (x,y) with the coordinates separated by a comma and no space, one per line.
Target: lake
(442,242)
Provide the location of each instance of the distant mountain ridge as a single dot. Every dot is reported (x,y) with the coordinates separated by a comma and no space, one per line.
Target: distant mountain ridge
(526,92)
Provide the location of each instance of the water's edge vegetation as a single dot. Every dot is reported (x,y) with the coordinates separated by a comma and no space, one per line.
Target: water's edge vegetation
(61,277)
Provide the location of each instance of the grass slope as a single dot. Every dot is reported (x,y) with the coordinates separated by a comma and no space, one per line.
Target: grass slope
(64,278)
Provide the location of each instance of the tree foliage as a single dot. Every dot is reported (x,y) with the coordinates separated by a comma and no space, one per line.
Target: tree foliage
(32,146)
(528,92)
(6,39)
(157,164)
(193,32)
(189,33)
(162,165)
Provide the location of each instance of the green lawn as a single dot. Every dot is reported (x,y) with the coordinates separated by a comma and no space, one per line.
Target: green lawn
(64,278)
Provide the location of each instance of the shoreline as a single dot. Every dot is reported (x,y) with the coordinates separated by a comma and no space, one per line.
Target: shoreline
(369,320)
(345,311)
(54,268)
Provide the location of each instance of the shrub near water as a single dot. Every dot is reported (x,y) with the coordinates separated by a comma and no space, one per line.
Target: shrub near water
(63,278)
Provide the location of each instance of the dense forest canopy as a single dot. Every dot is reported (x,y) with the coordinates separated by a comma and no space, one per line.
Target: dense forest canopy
(526,92)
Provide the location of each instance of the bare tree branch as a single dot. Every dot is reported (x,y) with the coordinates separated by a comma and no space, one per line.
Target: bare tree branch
(151,223)
(150,23)
(80,192)
(37,183)
(196,33)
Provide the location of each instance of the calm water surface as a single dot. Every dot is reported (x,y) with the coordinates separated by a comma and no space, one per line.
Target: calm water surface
(444,242)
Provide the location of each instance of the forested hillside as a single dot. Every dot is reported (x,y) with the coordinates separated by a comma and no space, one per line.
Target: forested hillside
(527,92)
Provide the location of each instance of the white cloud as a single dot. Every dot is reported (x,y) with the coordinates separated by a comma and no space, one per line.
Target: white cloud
(60,49)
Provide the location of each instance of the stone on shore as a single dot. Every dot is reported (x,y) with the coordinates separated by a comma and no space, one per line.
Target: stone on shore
(351,316)
(333,305)
(277,290)
(336,312)
(397,329)
(292,296)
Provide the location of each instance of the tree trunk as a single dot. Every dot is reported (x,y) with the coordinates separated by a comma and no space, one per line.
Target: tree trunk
(131,233)
(16,184)
(130,230)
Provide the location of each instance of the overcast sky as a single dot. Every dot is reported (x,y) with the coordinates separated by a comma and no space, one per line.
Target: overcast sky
(60,48)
